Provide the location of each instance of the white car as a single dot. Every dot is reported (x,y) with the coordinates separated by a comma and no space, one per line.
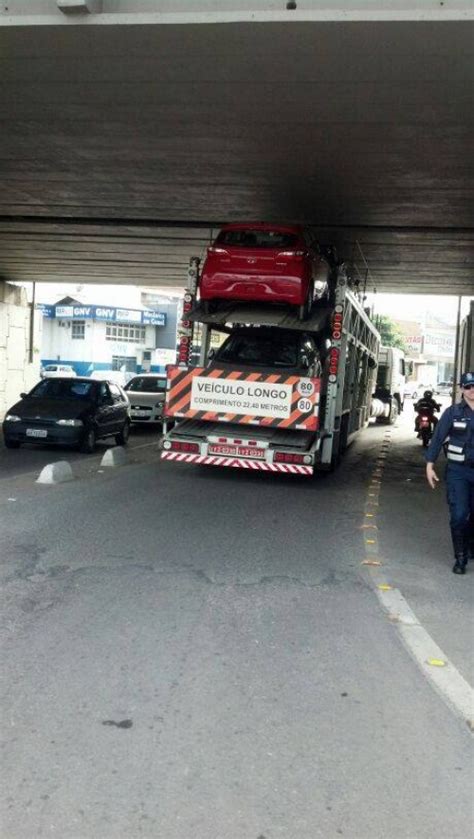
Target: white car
(444,388)
(53,371)
(146,394)
(415,390)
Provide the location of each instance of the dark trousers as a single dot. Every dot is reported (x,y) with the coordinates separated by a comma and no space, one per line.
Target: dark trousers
(460,490)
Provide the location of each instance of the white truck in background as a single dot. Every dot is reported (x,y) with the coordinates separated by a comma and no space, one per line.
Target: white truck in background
(465,353)
(387,402)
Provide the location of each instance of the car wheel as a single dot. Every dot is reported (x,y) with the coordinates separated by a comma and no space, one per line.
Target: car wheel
(122,438)
(88,441)
(11,444)
(305,310)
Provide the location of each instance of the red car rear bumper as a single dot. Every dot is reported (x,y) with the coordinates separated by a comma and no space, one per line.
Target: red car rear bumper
(281,289)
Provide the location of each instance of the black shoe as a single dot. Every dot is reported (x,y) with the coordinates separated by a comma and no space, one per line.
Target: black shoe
(459,567)
(460,545)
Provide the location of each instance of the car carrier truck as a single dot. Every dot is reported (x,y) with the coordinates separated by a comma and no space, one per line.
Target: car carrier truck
(280,395)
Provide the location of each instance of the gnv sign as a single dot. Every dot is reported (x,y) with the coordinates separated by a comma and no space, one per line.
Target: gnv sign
(147,317)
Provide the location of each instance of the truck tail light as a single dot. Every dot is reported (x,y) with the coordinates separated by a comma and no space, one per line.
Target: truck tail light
(289,457)
(178,446)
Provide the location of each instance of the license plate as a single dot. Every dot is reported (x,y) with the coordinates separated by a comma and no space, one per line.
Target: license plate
(36,432)
(240,451)
(141,413)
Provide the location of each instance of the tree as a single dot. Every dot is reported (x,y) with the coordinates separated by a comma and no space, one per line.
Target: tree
(389,332)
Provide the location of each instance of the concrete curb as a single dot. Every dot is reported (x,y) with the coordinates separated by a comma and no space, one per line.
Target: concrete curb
(115,457)
(55,473)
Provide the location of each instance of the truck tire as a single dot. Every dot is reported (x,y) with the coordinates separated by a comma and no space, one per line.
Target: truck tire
(394,411)
(393,415)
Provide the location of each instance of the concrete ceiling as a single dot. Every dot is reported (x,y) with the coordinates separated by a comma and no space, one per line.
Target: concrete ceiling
(124,147)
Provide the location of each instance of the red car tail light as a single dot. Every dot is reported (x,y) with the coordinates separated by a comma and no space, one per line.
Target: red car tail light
(178,446)
(288,457)
(217,251)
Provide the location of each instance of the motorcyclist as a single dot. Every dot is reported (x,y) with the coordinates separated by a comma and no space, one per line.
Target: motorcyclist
(426,405)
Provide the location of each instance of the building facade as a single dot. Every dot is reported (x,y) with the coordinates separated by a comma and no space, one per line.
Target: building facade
(96,337)
(20,341)
(431,347)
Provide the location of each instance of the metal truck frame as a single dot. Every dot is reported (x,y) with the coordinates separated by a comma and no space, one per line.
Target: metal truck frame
(344,406)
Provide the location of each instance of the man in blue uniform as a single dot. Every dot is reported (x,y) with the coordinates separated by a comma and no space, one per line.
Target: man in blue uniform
(455,429)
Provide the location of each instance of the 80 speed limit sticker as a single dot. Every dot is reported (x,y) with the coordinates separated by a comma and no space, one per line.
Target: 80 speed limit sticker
(305,387)
(305,405)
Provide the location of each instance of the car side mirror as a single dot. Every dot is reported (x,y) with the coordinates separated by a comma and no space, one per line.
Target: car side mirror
(211,354)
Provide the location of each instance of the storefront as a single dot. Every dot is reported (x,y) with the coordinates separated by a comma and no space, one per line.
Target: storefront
(93,337)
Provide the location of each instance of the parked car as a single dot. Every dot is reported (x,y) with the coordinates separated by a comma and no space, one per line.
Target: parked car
(444,388)
(70,412)
(52,371)
(414,390)
(267,263)
(146,394)
(290,351)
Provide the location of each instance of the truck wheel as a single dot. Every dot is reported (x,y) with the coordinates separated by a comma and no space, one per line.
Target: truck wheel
(394,411)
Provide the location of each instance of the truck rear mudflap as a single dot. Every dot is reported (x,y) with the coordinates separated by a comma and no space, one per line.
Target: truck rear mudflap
(221,444)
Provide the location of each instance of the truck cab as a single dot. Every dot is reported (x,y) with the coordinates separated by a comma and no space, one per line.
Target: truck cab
(390,384)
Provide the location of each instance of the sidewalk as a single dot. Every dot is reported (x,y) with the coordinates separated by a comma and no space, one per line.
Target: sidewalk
(416,548)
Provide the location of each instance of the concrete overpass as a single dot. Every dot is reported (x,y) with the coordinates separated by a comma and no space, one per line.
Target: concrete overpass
(131,130)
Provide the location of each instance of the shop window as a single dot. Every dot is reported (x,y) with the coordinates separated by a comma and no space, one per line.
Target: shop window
(78,330)
(126,332)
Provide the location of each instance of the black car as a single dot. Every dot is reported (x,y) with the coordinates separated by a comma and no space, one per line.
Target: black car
(263,348)
(69,411)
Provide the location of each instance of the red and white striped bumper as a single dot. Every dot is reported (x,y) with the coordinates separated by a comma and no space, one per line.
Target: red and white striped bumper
(238,463)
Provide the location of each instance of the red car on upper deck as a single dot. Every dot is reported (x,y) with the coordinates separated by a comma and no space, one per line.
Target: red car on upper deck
(264,262)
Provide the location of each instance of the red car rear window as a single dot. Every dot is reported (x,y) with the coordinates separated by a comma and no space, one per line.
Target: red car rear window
(257,239)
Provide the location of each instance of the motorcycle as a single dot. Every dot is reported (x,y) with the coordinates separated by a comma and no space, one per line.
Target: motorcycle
(425,428)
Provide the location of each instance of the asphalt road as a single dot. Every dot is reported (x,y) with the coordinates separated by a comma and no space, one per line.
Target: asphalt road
(31,457)
(191,652)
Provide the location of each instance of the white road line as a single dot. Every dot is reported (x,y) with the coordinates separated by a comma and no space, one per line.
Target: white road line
(453,687)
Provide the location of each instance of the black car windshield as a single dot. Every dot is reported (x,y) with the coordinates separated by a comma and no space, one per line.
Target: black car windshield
(257,239)
(146,384)
(64,389)
(281,351)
